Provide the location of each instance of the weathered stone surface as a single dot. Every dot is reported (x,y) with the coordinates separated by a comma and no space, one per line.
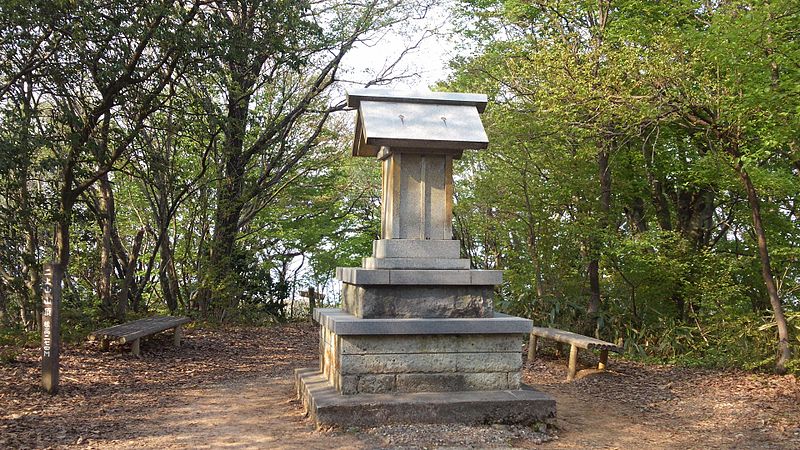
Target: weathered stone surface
(416,263)
(514,380)
(345,384)
(376,384)
(342,324)
(458,277)
(372,302)
(430,362)
(327,407)
(359,345)
(449,382)
(488,362)
(419,363)
(397,363)
(486,277)
(416,248)
(435,277)
(355,275)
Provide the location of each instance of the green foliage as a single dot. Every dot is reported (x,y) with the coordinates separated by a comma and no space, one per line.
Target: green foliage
(674,94)
(182,149)
(619,134)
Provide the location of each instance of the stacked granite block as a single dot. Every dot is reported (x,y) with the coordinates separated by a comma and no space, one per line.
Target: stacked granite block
(421,363)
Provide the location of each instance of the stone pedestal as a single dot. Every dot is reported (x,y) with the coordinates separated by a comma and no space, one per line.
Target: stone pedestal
(420,355)
(417,339)
(378,371)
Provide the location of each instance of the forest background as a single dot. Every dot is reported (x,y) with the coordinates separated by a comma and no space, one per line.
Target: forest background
(192,157)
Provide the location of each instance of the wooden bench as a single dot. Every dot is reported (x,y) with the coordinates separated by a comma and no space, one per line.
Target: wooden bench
(575,341)
(134,331)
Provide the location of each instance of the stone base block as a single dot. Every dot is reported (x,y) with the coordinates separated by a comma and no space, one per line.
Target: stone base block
(416,248)
(327,407)
(343,324)
(378,301)
(369,383)
(427,277)
(362,363)
(416,263)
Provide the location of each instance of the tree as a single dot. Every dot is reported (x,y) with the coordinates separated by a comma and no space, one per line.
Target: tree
(100,71)
(274,76)
(668,96)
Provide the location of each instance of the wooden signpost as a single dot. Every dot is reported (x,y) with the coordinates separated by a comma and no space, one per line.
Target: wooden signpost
(312,297)
(51,320)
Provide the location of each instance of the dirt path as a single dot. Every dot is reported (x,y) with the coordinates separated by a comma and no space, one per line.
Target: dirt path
(588,424)
(649,406)
(232,388)
(239,414)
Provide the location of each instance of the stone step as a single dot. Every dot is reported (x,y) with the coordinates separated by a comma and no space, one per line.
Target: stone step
(327,407)
(416,248)
(379,301)
(342,323)
(356,275)
(416,263)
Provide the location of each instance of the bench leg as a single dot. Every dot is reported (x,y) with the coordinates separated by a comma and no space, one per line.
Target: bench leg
(135,347)
(603,360)
(573,363)
(178,335)
(533,341)
(104,344)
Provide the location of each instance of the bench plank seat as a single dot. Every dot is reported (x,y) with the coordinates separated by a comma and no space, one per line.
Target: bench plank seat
(135,330)
(575,341)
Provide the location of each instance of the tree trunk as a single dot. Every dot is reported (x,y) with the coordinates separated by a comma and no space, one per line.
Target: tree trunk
(30,266)
(130,271)
(593,269)
(61,235)
(229,201)
(657,195)
(105,209)
(635,215)
(533,249)
(593,310)
(226,227)
(784,352)
(167,277)
(33,276)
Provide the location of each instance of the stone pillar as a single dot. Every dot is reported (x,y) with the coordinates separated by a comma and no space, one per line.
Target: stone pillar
(417,195)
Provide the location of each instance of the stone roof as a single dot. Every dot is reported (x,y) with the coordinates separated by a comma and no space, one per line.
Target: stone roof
(420,120)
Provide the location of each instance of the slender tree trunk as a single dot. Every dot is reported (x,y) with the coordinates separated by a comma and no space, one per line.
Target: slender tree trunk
(31,269)
(32,282)
(533,242)
(61,234)
(30,266)
(658,198)
(593,269)
(105,208)
(166,276)
(533,249)
(635,215)
(127,288)
(784,352)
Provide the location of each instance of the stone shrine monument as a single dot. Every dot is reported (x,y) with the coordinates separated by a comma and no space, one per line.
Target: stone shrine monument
(417,339)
